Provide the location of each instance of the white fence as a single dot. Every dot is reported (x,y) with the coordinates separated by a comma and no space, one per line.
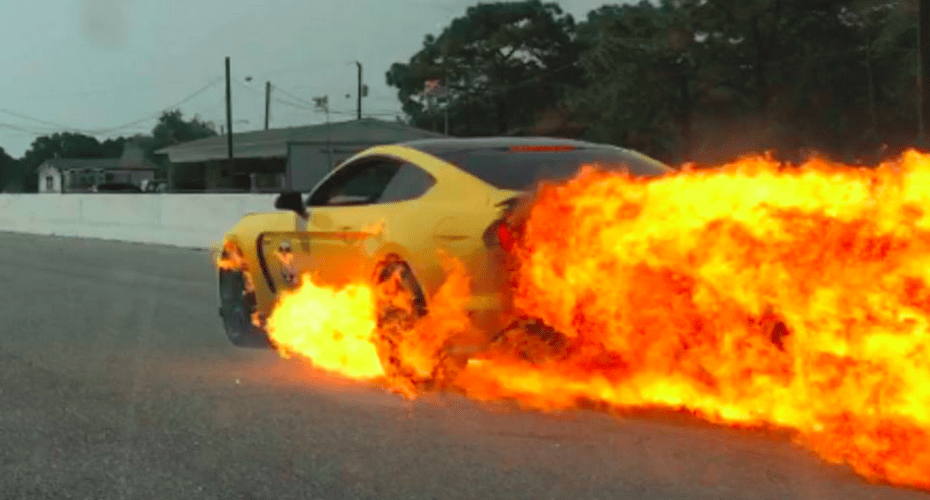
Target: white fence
(183,220)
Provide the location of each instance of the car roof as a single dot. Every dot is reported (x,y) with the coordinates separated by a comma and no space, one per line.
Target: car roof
(430,146)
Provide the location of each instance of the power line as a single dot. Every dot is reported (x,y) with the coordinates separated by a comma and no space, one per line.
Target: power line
(384,98)
(291,104)
(146,83)
(62,127)
(305,105)
(159,112)
(295,97)
(309,87)
(205,113)
(40,121)
(19,129)
(285,69)
(312,106)
(250,89)
(336,111)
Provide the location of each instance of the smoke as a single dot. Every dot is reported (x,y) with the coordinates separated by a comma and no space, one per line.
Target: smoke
(104,21)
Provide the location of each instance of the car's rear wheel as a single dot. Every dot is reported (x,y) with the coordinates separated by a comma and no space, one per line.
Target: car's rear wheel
(237,306)
(401,304)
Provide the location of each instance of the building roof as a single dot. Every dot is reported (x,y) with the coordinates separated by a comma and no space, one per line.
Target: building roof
(73,163)
(273,143)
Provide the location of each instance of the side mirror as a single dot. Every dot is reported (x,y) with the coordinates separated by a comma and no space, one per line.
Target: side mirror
(291,200)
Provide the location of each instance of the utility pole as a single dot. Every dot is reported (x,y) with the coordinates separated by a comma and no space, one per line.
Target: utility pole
(359,96)
(923,65)
(267,102)
(229,145)
(445,88)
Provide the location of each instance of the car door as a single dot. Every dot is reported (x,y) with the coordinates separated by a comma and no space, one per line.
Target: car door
(347,218)
(345,223)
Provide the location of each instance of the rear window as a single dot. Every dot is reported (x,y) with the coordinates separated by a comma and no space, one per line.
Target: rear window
(519,168)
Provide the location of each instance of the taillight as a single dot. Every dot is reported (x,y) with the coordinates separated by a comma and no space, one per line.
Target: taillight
(505,236)
(500,235)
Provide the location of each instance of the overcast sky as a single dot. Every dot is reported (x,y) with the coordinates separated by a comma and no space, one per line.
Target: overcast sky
(113,65)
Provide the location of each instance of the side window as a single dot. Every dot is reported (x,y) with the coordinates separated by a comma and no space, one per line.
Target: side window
(409,183)
(357,184)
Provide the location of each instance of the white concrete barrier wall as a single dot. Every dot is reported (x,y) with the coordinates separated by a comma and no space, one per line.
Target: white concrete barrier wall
(183,220)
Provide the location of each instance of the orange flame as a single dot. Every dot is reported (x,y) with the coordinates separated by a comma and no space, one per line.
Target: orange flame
(752,294)
(337,329)
(333,328)
(429,346)
(231,258)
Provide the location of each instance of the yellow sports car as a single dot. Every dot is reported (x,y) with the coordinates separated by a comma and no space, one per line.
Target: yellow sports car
(387,210)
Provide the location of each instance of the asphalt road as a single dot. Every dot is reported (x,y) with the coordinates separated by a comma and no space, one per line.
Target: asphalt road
(116,382)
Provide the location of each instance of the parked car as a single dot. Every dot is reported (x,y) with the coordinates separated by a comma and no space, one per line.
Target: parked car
(117,187)
(154,186)
(385,211)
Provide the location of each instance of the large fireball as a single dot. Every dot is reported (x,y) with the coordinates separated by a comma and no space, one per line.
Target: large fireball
(753,294)
(756,294)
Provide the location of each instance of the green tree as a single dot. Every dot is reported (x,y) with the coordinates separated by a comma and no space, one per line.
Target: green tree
(887,42)
(639,76)
(61,145)
(9,170)
(173,129)
(502,64)
(711,79)
(823,75)
(113,147)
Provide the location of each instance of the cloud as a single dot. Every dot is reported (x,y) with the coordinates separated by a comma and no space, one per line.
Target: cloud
(104,21)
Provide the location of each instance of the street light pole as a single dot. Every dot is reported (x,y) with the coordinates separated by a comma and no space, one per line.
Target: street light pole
(267,102)
(229,142)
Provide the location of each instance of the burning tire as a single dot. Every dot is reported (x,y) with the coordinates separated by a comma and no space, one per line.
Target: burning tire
(401,303)
(237,306)
(531,340)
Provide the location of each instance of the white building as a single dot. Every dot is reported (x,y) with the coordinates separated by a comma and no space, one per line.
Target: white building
(80,175)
